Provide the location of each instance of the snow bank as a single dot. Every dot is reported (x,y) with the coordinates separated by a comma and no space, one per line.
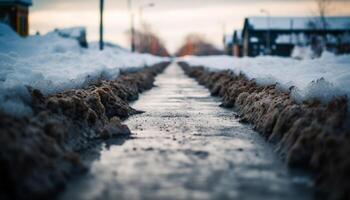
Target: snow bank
(303,52)
(323,78)
(52,64)
(74,32)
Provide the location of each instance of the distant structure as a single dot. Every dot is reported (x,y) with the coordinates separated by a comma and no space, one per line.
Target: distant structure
(280,35)
(237,45)
(76,33)
(233,44)
(15,14)
(228,42)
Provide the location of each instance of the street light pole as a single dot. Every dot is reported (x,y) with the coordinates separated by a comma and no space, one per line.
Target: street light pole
(133,46)
(268,35)
(101,24)
(141,8)
(142,24)
(132,26)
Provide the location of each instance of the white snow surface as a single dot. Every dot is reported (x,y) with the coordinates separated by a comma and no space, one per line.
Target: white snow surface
(74,32)
(52,64)
(323,78)
(303,52)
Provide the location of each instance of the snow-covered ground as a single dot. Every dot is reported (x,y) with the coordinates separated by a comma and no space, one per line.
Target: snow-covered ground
(322,78)
(52,63)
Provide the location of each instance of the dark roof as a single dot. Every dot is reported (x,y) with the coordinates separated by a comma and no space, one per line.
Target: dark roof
(297,23)
(22,2)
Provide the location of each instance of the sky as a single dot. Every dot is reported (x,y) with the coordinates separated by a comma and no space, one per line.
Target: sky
(172,20)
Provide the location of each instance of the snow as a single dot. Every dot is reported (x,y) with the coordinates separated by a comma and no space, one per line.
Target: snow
(300,23)
(323,78)
(74,32)
(52,64)
(301,39)
(296,39)
(254,39)
(303,52)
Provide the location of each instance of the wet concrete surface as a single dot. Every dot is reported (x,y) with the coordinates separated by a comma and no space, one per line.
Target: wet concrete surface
(187,147)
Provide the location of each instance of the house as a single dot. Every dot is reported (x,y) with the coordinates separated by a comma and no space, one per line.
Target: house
(279,35)
(237,44)
(15,14)
(228,48)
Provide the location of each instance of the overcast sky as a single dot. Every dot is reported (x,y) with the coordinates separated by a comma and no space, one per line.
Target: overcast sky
(171,19)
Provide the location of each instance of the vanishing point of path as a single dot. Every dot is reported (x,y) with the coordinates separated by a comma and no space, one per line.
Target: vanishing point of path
(187,147)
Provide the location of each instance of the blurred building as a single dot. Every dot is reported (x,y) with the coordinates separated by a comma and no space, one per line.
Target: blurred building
(233,44)
(237,44)
(15,14)
(228,42)
(280,35)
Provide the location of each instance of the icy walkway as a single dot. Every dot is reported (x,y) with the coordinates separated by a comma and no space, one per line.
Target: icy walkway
(187,147)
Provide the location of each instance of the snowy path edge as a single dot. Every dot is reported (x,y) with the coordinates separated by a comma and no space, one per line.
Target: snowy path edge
(308,135)
(39,154)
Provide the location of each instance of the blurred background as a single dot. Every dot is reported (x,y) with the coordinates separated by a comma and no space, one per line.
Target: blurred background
(171,20)
(195,27)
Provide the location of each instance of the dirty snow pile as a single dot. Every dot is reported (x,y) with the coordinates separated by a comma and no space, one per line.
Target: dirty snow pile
(53,63)
(322,78)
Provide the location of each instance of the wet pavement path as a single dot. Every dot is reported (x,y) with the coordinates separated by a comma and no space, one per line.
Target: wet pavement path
(187,147)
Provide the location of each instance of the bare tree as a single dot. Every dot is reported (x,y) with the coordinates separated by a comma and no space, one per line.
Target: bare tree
(323,7)
(196,44)
(147,41)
